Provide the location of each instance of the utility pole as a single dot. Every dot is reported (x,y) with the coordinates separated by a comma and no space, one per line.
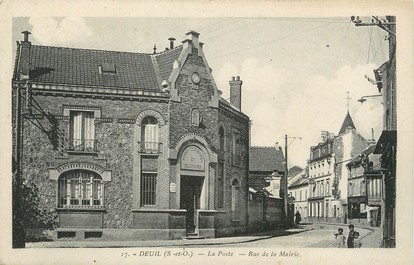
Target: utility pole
(285,192)
(285,182)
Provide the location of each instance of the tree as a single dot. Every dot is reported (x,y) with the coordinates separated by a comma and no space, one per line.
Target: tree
(27,212)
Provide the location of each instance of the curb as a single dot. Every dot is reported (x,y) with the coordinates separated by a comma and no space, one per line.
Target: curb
(172,243)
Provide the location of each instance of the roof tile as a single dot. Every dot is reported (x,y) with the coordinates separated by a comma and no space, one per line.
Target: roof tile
(80,67)
(266,159)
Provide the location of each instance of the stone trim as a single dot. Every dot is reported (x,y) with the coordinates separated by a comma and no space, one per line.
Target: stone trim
(68,108)
(104,120)
(34,116)
(160,210)
(150,112)
(125,120)
(173,152)
(55,173)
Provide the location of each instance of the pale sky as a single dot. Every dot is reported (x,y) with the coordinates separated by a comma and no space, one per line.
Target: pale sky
(295,71)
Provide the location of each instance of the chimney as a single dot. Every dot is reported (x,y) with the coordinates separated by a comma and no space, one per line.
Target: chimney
(193,36)
(235,92)
(24,56)
(155,49)
(171,43)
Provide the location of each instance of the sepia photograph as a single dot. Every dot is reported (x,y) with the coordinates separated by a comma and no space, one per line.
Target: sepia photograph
(173,138)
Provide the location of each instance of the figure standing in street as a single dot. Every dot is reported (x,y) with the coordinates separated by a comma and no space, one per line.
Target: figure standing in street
(297,218)
(353,238)
(340,238)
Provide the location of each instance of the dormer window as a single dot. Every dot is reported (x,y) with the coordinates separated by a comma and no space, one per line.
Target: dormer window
(107,68)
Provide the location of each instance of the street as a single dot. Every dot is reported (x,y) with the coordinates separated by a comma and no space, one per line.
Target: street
(320,236)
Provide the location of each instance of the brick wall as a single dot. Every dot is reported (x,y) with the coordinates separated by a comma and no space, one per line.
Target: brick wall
(115,152)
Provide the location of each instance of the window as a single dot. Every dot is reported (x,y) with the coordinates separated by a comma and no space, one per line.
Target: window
(327,188)
(82,131)
(235,186)
(236,152)
(80,188)
(220,185)
(107,68)
(221,137)
(149,135)
(148,189)
(195,117)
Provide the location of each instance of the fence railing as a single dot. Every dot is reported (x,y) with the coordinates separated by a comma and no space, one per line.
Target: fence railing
(82,145)
(150,147)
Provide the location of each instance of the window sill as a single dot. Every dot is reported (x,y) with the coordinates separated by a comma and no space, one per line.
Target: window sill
(80,209)
(94,153)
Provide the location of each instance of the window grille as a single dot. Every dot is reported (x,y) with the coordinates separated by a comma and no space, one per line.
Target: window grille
(148,189)
(80,188)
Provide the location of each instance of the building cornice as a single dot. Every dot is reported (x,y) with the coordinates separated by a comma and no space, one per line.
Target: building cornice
(96,92)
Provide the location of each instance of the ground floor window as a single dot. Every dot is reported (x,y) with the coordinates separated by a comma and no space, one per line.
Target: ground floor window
(235,195)
(80,188)
(148,189)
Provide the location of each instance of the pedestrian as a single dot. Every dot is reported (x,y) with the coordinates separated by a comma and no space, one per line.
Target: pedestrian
(340,238)
(298,218)
(353,240)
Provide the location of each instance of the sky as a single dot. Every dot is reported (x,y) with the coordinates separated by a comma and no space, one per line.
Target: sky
(296,72)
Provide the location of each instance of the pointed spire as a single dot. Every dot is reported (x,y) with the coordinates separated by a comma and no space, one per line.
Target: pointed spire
(348,124)
(347,101)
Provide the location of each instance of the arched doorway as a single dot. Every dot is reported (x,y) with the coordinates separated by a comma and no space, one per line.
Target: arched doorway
(193,185)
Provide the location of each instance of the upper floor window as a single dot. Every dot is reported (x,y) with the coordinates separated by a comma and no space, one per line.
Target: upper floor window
(82,131)
(236,151)
(149,135)
(221,139)
(195,117)
(80,188)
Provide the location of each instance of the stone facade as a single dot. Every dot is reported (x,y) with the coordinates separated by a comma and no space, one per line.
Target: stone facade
(181,168)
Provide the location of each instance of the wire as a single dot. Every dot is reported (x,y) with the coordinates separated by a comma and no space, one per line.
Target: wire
(369,29)
(342,45)
(272,41)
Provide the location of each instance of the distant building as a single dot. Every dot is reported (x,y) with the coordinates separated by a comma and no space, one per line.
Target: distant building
(266,168)
(263,161)
(365,189)
(298,189)
(328,175)
(136,146)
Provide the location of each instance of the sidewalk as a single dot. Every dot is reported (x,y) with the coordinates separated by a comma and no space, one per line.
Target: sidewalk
(166,243)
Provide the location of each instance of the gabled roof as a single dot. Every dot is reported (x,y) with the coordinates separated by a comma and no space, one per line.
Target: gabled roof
(74,66)
(166,60)
(347,124)
(266,159)
(302,179)
(293,171)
